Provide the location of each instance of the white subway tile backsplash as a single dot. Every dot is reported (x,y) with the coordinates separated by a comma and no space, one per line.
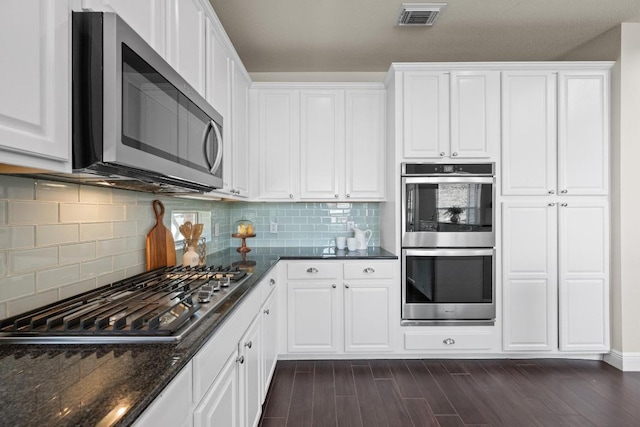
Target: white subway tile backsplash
(96,231)
(32,213)
(110,247)
(112,213)
(78,212)
(16,188)
(107,279)
(76,288)
(132,271)
(128,260)
(3,212)
(3,266)
(3,310)
(56,234)
(30,302)
(33,259)
(17,237)
(77,252)
(96,267)
(56,277)
(124,228)
(93,194)
(56,191)
(135,243)
(17,286)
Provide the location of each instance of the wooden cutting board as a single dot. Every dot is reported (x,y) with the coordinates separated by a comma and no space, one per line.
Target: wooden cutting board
(161,251)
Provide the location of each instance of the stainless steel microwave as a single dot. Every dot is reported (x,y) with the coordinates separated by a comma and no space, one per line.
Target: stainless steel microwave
(136,122)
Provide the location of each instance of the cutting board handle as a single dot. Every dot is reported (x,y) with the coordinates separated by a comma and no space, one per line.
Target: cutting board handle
(158,209)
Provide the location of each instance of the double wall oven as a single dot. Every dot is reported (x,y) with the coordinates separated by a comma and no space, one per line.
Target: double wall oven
(448,243)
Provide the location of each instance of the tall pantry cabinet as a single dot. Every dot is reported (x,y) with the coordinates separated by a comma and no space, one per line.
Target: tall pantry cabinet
(555,209)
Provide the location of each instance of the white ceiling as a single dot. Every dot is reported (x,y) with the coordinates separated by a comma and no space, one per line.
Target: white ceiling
(361,35)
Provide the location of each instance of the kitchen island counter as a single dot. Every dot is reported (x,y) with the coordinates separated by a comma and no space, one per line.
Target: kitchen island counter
(92,384)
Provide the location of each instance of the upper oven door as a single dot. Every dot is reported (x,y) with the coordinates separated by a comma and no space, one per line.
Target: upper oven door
(447,211)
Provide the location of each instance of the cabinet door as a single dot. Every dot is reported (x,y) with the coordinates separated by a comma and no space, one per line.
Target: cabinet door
(584,275)
(278,140)
(218,79)
(220,405)
(269,340)
(425,114)
(321,143)
(365,147)
(529,129)
(240,137)
(173,407)
(475,114)
(35,76)
(367,316)
(313,310)
(186,45)
(530,275)
(583,133)
(250,348)
(146,17)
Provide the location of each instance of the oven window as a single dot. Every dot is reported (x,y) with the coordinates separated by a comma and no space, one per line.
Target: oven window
(449,207)
(449,279)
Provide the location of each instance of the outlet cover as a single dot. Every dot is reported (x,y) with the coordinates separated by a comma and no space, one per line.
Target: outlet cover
(216,230)
(273,227)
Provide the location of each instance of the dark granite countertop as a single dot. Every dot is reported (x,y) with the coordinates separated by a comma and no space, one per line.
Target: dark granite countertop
(73,385)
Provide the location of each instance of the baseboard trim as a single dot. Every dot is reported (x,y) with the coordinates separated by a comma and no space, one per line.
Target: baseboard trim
(627,362)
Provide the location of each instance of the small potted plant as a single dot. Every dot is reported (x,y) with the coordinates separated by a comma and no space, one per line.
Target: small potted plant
(454,213)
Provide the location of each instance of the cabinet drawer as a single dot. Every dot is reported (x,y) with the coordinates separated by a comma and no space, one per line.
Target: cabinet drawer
(443,341)
(312,270)
(368,270)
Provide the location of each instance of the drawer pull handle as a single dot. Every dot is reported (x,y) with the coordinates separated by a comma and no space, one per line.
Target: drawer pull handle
(448,341)
(368,270)
(248,344)
(266,311)
(272,282)
(240,359)
(312,270)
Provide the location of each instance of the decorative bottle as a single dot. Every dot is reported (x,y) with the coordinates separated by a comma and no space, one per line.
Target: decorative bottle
(190,258)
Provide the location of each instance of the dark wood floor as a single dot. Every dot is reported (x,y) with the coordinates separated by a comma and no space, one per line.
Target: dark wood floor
(544,392)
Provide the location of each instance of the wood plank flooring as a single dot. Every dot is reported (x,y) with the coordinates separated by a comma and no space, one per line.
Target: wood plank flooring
(451,393)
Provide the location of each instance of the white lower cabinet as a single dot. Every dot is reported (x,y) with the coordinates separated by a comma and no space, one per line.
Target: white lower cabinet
(249,370)
(269,357)
(340,307)
(555,274)
(220,405)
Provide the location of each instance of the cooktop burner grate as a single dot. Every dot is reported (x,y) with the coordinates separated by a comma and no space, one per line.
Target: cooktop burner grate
(160,305)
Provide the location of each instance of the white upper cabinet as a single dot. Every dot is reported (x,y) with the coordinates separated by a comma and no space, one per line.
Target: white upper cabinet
(529,132)
(365,148)
(583,132)
(146,17)
(218,76)
(239,173)
(277,130)
(555,132)
(451,114)
(321,143)
(332,149)
(186,41)
(35,83)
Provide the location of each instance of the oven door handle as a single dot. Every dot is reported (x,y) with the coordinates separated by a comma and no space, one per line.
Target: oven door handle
(449,252)
(448,180)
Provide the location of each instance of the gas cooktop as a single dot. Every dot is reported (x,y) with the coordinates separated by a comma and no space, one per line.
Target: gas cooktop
(162,305)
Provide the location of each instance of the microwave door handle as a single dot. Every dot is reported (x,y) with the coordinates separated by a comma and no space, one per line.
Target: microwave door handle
(205,152)
(216,163)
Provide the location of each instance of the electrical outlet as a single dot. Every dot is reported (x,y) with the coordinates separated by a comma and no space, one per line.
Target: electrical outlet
(273,227)
(350,225)
(216,229)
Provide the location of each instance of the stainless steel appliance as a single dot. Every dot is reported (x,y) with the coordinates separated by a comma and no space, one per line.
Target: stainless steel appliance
(161,305)
(447,205)
(448,239)
(137,123)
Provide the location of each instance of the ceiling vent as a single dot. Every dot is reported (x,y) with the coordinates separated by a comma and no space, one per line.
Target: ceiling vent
(419,14)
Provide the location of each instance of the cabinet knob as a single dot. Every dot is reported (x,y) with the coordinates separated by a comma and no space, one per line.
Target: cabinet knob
(240,359)
(333,286)
(248,344)
(552,204)
(564,205)
(564,192)
(266,311)
(312,270)
(291,196)
(552,192)
(346,286)
(335,195)
(448,341)
(442,153)
(454,154)
(272,282)
(368,270)
(348,195)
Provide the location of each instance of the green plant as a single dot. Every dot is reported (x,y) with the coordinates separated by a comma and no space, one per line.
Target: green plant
(454,213)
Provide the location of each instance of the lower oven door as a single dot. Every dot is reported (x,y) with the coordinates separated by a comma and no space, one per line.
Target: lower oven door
(448,286)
